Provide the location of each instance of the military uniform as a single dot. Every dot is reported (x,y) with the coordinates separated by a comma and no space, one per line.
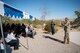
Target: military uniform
(66,30)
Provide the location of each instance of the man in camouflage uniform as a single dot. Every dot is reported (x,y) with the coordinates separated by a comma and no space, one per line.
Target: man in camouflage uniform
(66,30)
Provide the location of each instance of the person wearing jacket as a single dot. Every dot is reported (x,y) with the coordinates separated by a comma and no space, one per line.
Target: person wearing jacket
(52,27)
(11,40)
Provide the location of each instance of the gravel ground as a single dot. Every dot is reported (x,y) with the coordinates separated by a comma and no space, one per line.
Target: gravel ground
(46,43)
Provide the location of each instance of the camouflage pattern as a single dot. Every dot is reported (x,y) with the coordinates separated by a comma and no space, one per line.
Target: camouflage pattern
(66,30)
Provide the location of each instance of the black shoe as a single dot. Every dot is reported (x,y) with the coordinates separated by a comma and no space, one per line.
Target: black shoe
(16,48)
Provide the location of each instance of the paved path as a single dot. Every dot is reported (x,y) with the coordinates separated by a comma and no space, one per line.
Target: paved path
(46,43)
(75,37)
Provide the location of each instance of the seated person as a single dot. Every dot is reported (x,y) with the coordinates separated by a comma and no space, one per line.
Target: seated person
(1,46)
(8,49)
(11,40)
(30,31)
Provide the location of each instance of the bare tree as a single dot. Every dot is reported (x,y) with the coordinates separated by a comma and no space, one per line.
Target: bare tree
(77,13)
(44,12)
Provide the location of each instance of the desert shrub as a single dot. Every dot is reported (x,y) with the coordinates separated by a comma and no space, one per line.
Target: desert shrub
(56,29)
(47,27)
(38,22)
(25,21)
(58,22)
(10,21)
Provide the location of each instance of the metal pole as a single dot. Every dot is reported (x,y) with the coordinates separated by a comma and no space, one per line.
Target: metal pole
(27,41)
(2,33)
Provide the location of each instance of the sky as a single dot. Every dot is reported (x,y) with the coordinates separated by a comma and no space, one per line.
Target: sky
(56,9)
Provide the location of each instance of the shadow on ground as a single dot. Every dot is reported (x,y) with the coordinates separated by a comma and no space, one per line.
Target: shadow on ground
(53,39)
(46,32)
